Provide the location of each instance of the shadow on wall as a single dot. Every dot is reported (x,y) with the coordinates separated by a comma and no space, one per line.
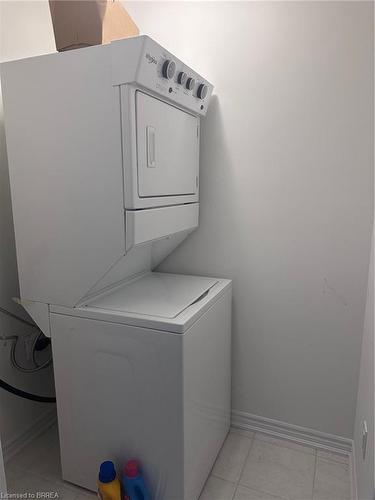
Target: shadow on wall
(218,220)
(216,212)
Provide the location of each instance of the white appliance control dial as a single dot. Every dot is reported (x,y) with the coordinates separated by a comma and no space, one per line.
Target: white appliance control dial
(169,69)
(202,91)
(190,83)
(181,79)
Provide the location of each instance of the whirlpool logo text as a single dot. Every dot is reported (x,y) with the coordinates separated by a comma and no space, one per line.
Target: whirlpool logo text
(151,59)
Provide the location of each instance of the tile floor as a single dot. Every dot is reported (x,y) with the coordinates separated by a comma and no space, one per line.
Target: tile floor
(249,467)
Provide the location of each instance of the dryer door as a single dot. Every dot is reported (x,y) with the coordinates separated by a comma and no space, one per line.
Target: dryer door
(167,149)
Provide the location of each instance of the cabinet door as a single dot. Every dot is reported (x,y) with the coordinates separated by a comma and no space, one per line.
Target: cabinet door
(167,148)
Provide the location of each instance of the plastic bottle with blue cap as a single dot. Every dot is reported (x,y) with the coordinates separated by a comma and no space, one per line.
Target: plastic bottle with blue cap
(109,487)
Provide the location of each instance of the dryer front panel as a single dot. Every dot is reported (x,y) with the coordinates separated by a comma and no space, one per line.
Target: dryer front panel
(160,144)
(167,148)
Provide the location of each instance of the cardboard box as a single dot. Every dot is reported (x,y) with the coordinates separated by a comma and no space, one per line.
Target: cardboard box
(81,23)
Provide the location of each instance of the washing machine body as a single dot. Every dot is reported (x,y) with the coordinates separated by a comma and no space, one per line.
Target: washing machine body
(144,372)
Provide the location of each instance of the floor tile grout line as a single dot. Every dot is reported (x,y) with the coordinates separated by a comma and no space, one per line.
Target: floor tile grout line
(251,488)
(289,441)
(217,475)
(327,460)
(243,465)
(212,473)
(314,453)
(332,461)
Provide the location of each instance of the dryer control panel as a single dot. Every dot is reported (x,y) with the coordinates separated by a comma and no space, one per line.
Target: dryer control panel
(159,71)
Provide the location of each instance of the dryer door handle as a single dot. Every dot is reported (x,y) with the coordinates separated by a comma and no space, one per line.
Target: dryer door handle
(150,134)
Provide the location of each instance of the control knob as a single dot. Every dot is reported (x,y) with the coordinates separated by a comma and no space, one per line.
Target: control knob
(182,76)
(169,69)
(190,83)
(202,91)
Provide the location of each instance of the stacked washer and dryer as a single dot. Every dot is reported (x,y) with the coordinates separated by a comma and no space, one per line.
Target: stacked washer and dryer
(103,148)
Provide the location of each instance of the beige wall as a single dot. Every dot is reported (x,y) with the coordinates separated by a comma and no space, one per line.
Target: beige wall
(286,192)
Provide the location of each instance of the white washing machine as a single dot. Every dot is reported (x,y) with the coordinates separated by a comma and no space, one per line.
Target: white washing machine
(103,149)
(143,372)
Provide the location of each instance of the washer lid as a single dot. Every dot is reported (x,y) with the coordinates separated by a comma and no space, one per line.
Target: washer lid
(156,294)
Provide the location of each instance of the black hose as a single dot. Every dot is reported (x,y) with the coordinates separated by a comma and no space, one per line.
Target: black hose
(14,390)
(26,395)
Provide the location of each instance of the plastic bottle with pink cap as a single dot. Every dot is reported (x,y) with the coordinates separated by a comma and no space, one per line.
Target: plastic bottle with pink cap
(133,483)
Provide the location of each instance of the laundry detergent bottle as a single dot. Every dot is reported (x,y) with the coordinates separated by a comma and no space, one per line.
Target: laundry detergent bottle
(109,487)
(133,483)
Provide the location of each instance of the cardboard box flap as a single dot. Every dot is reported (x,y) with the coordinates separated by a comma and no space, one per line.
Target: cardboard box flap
(117,23)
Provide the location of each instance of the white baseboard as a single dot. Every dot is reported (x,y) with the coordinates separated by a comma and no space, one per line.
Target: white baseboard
(298,434)
(35,429)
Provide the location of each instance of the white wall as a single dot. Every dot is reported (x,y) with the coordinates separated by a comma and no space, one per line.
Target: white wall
(286,192)
(24,31)
(365,403)
(286,187)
